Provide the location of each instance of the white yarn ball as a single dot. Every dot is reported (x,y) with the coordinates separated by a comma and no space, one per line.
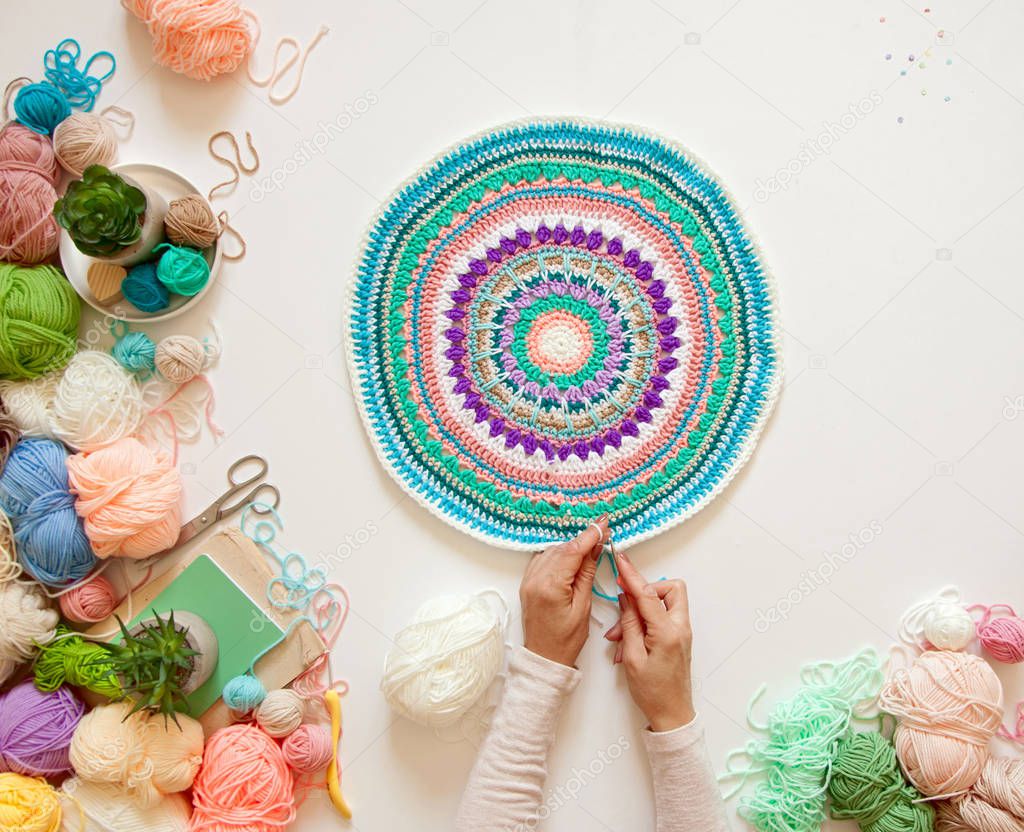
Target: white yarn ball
(446,658)
(107,809)
(27,618)
(281,712)
(29,404)
(949,627)
(96,402)
(84,139)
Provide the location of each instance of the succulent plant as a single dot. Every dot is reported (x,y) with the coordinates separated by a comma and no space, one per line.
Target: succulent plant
(101,212)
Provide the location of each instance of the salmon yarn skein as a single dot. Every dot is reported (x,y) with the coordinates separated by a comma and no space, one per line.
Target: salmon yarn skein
(995,804)
(949,706)
(198,38)
(28,230)
(129,497)
(308,749)
(29,149)
(89,603)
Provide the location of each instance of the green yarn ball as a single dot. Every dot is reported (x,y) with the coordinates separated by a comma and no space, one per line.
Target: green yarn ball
(182,270)
(39,314)
(868,787)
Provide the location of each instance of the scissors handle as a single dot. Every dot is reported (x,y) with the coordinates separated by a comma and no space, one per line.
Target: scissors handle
(264,493)
(260,471)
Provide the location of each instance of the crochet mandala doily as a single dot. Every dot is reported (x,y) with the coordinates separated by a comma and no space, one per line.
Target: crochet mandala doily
(560,320)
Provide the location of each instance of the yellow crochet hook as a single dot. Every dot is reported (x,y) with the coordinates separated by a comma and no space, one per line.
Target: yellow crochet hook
(333,778)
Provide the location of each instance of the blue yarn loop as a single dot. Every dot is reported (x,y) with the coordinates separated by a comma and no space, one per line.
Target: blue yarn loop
(41,107)
(79,86)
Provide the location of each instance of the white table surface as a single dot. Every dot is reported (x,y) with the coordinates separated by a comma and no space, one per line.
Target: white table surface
(897,259)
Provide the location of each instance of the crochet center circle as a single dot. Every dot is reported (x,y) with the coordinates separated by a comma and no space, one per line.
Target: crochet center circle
(559,320)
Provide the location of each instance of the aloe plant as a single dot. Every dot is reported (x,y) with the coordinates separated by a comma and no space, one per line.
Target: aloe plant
(101,212)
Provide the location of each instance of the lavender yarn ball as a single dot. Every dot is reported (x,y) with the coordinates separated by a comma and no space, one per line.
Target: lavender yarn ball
(36,729)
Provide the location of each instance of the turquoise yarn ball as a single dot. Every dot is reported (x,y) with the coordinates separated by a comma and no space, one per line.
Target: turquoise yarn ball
(41,107)
(244,693)
(135,351)
(143,289)
(182,270)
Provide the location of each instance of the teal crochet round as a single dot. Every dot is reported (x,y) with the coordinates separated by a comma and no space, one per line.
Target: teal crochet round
(556,321)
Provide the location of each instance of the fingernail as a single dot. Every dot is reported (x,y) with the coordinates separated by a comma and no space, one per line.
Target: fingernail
(609,632)
(621,598)
(603,518)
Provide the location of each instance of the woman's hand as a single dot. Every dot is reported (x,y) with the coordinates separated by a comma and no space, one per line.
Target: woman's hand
(555,595)
(654,641)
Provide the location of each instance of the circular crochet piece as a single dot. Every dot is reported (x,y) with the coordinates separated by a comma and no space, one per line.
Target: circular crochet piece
(559,320)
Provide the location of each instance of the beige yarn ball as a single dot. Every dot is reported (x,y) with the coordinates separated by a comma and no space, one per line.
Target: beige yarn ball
(27,619)
(105,808)
(84,139)
(281,712)
(179,358)
(190,222)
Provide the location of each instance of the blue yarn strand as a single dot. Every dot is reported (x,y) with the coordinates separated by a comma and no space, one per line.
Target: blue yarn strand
(79,86)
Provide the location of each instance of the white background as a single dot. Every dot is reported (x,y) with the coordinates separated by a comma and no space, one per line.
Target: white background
(897,256)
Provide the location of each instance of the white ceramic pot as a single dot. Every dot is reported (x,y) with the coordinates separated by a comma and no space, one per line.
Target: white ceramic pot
(152,229)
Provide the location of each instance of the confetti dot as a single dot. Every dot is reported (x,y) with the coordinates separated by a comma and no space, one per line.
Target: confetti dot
(924,92)
(910,58)
(949,62)
(888,56)
(946,99)
(903,72)
(881,20)
(899,119)
(921,65)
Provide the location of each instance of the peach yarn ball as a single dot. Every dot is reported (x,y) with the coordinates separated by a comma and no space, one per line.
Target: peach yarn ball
(28,231)
(308,749)
(90,602)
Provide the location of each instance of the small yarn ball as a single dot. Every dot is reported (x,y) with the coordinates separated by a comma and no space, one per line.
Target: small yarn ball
(444,660)
(244,693)
(182,270)
(35,495)
(281,712)
(39,314)
(308,749)
(244,784)
(143,290)
(84,139)
(156,756)
(27,619)
(949,706)
(97,402)
(29,404)
(29,151)
(135,351)
(180,358)
(41,107)
(949,627)
(106,809)
(28,229)
(1003,637)
(36,729)
(28,804)
(71,660)
(129,497)
(190,222)
(198,39)
(89,603)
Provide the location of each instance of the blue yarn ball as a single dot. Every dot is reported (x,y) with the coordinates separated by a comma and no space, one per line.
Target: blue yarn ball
(244,693)
(182,270)
(135,351)
(41,107)
(48,534)
(143,290)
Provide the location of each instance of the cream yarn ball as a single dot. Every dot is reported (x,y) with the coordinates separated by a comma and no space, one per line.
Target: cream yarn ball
(446,658)
(27,618)
(949,627)
(29,404)
(180,358)
(106,809)
(280,712)
(96,402)
(84,139)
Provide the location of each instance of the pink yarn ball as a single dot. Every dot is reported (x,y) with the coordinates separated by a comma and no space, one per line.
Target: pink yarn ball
(198,38)
(1003,638)
(32,150)
(89,603)
(28,231)
(308,749)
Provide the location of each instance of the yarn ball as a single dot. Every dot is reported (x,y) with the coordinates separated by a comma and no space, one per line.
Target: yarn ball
(867,786)
(182,270)
(129,497)
(29,404)
(308,749)
(28,804)
(38,320)
(89,603)
(29,150)
(949,706)
(190,222)
(994,804)
(28,230)
(106,809)
(35,495)
(143,290)
(27,620)
(198,38)
(36,729)
(9,432)
(949,627)
(97,402)
(243,693)
(180,358)
(244,784)
(135,351)
(444,660)
(70,659)
(281,712)
(155,756)
(1003,636)
(41,107)
(84,139)
(10,569)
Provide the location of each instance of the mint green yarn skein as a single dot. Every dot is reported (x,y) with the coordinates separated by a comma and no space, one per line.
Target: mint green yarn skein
(39,314)
(182,270)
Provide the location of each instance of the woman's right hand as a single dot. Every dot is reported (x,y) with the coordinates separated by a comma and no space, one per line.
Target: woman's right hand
(654,646)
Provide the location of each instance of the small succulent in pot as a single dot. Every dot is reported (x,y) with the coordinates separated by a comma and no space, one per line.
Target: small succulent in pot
(102,213)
